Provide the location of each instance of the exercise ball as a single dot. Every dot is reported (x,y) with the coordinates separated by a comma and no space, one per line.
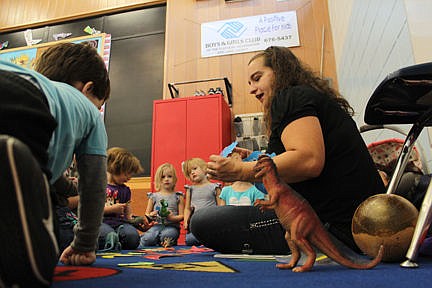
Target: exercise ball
(386,219)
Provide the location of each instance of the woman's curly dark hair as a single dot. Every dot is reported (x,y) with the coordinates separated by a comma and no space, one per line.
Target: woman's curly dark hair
(290,71)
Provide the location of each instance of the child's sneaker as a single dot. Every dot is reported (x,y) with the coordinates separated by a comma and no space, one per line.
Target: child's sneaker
(30,251)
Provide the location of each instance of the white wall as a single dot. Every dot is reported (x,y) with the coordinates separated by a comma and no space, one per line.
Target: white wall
(372,39)
(419,15)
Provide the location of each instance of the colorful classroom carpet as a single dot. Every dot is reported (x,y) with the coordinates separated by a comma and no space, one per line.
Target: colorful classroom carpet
(184,266)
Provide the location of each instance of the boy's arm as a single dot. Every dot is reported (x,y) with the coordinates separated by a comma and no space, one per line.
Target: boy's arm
(93,181)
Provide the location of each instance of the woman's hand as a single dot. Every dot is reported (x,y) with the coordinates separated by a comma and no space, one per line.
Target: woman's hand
(243,152)
(229,170)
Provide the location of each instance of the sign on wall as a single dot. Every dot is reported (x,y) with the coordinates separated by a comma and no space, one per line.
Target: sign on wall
(248,34)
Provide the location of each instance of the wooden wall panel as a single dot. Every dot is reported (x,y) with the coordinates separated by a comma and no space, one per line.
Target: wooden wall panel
(140,186)
(21,14)
(184,63)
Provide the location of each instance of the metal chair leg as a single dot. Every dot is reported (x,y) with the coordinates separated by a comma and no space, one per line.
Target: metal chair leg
(422,226)
(404,157)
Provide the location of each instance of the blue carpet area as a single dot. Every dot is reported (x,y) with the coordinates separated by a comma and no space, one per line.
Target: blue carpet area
(247,273)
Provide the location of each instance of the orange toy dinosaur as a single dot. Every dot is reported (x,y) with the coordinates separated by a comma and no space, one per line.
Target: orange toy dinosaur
(303,227)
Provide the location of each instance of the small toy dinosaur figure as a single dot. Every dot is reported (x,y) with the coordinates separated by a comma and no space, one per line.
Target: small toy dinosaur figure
(163,211)
(112,242)
(303,227)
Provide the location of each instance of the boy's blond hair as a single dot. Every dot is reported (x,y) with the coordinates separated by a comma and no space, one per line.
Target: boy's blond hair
(190,163)
(121,161)
(160,171)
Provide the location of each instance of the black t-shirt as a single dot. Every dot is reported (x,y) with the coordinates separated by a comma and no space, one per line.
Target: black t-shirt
(349,175)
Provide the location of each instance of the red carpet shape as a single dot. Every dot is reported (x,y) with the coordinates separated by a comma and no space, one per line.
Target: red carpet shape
(67,273)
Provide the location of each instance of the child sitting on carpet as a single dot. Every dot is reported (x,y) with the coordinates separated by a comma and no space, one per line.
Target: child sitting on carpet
(240,193)
(66,188)
(167,207)
(121,165)
(201,194)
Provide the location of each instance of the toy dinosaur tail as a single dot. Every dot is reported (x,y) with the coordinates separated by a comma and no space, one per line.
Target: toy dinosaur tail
(343,255)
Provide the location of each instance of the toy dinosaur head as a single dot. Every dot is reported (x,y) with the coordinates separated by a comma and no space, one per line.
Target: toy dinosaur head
(264,165)
(163,203)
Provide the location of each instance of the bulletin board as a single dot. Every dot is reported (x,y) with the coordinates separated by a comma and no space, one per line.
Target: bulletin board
(26,56)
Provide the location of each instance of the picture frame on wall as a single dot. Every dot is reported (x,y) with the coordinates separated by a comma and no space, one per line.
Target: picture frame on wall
(27,55)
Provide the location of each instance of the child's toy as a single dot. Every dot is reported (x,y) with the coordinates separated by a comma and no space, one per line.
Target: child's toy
(112,242)
(304,229)
(252,157)
(163,210)
(229,149)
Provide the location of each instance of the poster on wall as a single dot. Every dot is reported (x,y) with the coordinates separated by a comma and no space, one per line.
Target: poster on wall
(26,56)
(249,34)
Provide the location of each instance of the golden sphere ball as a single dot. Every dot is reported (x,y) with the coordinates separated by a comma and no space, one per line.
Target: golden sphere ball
(386,219)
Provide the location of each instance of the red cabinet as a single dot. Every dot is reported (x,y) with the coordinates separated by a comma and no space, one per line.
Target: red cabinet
(188,127)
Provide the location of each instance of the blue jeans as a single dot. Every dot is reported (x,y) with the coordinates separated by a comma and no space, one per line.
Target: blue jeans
(158,234)
(128,235)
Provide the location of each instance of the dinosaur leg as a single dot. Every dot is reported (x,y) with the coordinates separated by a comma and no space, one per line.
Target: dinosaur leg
(295,254)
(263,205)
(267,204)
(305,246)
